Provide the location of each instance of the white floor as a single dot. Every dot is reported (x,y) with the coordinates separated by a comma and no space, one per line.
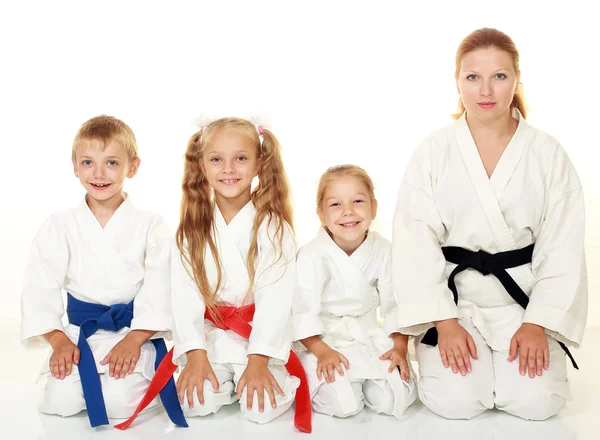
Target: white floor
(20,420)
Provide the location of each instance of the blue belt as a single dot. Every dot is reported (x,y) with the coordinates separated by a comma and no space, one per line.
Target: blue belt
(92,317)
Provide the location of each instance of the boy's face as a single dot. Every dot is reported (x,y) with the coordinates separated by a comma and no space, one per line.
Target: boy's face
(102,172)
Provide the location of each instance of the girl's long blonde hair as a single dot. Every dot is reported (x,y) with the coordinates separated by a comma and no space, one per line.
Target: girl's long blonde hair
(271,199)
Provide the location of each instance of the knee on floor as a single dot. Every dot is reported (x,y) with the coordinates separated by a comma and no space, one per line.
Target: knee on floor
(534,402)
(328,400)
(460,399)
(62,397)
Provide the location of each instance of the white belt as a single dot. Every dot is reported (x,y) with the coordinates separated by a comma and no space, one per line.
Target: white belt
(353,328)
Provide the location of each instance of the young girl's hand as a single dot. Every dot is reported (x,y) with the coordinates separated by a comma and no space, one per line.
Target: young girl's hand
(397,356)
(194,374)
(531,344)
(329,360)
(124,356)
(257,377)
(64,354)
(456,346)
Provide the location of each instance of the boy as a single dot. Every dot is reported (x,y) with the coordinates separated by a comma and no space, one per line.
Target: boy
(104,254)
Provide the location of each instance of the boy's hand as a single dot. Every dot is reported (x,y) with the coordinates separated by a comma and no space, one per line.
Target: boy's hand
(64,354)
(124,356)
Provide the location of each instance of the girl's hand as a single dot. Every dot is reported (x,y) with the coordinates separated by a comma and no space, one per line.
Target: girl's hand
(329,360)
(194,374)
(64,354)
(257,377)
(397,356)
(531,344)
(456,346)
(124,356)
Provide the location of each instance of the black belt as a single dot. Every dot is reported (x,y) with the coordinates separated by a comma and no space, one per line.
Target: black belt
(486,264)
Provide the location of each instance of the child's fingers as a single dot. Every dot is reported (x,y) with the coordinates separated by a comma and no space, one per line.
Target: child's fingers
(466,357)
(404,370)
(240,387)
(338,368)
(106,359)
(472,346)
(325,374)
(68,363)
(539,360)
(132,365)
(271,394)
(214,381)
(260,391)
(523,353)
(531,358)
(452,361)
(118,367)
(546,357)
(319,372)
(250,398)
(189,390)
(386,355)
(127,366)
(180,387)
(345,361)
(459,360)
(276,386)
(330,373)
(61,367)
(200,392)
(514,349)
(444,357)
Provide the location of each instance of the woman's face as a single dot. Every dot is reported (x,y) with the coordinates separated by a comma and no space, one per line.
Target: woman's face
(487,83)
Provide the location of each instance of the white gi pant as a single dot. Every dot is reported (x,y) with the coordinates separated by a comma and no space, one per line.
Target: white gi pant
(228,375)
(493,381)
(121,397)
(348,395)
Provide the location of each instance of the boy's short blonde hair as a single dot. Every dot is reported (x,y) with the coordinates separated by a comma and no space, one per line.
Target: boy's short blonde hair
(105,129)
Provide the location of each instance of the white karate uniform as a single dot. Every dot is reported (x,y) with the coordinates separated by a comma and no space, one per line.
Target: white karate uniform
(271,332)
(128,258)
(447,199)
(337,298)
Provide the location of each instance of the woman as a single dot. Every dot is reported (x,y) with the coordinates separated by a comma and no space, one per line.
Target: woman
(488,254)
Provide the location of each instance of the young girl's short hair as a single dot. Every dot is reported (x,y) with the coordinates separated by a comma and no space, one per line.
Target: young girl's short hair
(338,171)
(104,129)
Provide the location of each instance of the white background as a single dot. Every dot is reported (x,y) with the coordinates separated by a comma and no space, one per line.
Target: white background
(341,82)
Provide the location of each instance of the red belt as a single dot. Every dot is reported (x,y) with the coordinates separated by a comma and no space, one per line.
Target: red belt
(237,320)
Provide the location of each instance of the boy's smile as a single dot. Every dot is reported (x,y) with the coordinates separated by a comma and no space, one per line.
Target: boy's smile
(102,170)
